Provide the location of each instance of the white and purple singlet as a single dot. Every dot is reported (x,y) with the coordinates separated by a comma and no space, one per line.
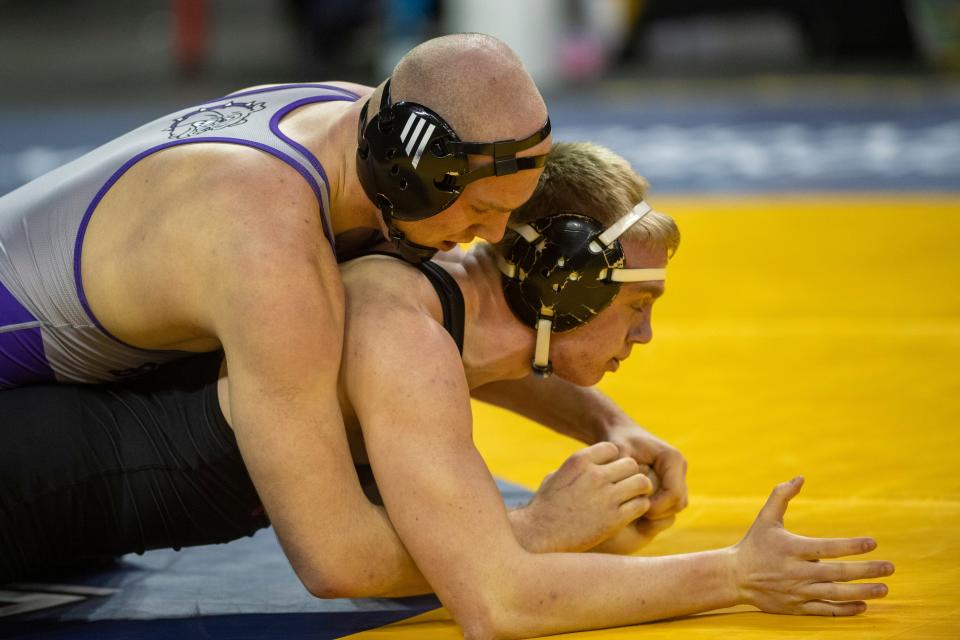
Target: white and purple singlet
(47,330)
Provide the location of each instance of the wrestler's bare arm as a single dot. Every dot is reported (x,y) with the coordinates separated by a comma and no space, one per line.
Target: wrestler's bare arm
(445,506)
(225,247)
(588,499)
(584,413)
(209,245)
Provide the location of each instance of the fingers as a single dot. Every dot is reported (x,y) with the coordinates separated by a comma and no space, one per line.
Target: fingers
(776,506)
(601,453)
(672,496)
(632,487)
(622,469)
(846,571)
(846,592)
(634,508)
(818,548)
(654,477)
(649,528)
(823,608)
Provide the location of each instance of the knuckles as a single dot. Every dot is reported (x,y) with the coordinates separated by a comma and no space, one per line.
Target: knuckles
(577,461)
(635,508)
(646,485)
(608,449)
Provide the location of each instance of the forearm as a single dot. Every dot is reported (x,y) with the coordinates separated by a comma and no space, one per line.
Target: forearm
(584,413)
(383,565)
(407,579)
(399,576)
(557,593)
(338,548)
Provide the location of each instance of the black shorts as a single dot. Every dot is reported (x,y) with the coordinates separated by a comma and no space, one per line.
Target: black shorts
(103,470)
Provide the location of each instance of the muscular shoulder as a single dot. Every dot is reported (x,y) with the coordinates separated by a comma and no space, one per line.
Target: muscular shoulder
(191,222)
(232,199)
(394,329)
(383,285)
(388,300)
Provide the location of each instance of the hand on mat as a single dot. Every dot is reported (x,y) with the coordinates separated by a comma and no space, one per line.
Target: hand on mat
(634,441)
(780,572)
(593,495)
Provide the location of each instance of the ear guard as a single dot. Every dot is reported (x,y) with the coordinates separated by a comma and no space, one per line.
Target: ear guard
(563,270)
(412,164)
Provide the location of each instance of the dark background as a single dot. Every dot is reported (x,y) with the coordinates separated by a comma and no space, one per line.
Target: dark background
(701,95)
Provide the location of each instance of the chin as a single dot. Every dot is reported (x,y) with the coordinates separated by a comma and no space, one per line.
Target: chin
(580,378)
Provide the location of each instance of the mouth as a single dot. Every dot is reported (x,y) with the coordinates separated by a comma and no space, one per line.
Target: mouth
(446,245)
(613,365)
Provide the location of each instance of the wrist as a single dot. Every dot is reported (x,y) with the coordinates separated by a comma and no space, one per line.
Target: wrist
(736,592)
(526,530)
(589,430)
(608,429)
(600,417)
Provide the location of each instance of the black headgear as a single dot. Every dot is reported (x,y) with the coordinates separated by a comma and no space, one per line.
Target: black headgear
(412,164)
(563,270)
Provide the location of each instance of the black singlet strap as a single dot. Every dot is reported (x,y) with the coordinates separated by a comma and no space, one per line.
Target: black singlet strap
(451,298)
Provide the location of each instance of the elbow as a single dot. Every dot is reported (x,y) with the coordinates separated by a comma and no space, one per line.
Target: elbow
(326,584)
(484,626)
(330,580)
(480,629)
(486,619)
(506,608)
(328,588)
(348,580)
(337,585)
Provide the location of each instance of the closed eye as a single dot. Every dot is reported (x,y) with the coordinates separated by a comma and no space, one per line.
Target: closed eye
(643,305)
(487,206)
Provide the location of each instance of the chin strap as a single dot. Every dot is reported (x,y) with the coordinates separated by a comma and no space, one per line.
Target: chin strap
(410,251)
(541,354)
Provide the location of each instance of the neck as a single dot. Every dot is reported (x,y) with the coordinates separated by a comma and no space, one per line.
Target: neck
(496,346)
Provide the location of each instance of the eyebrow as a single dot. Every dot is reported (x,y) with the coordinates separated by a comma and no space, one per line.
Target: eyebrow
(639,288)
(491,205)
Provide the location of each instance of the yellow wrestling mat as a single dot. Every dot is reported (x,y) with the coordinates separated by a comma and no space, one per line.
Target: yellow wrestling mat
(799,335)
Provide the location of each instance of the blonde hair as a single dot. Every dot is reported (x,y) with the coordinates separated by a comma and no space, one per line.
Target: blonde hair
(586,178)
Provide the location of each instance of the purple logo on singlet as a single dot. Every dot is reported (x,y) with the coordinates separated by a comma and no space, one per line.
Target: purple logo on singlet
(212,118)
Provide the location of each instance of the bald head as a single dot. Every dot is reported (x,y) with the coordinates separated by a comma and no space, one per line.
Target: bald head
(475,82)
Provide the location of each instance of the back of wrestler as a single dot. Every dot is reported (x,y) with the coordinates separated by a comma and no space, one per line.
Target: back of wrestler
(48,330)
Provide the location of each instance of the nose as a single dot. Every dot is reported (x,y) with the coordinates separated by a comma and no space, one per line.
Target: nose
(492,231)
(642,331)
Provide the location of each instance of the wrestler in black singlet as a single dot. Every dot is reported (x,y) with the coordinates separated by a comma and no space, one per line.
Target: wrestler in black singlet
(103,470)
